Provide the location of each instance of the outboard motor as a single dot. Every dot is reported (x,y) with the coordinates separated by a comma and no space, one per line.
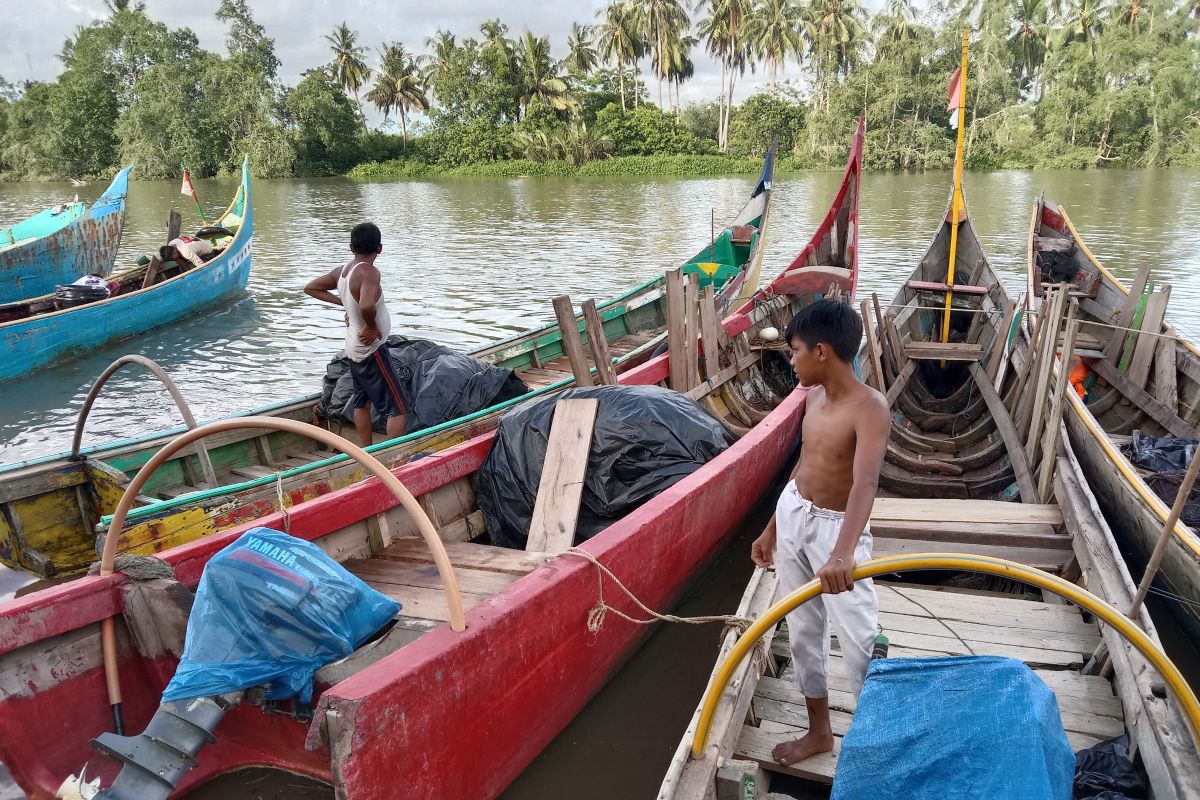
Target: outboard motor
(269,612)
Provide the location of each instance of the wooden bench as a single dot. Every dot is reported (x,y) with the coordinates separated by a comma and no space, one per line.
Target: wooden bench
(943,351)
(958,288)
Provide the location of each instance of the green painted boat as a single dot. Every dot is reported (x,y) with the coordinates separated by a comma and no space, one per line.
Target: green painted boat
(51,508)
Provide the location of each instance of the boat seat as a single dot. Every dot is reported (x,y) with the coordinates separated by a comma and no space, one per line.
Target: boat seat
(742,234)
(943,351)
(958,288)
(252,472)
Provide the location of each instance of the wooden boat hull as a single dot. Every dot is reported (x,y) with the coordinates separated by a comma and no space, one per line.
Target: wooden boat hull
(61,500)
(28,344)
(1136,511)
(42,252)
(449,715)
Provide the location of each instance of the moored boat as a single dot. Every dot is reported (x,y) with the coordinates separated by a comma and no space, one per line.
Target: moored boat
(380,726)
(62,243)
(52,505)
(37,331)
(1137,373)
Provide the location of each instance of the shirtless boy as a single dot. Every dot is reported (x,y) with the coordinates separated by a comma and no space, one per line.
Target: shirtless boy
(820,524)
(355,286)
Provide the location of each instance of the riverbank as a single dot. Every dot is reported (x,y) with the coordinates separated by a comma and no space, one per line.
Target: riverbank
(676,166)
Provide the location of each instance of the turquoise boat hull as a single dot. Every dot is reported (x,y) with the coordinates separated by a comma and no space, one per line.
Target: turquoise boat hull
(34,342)
(58,245)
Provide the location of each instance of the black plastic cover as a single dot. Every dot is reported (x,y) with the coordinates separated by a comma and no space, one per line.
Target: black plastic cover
(645,440)
(1104,772)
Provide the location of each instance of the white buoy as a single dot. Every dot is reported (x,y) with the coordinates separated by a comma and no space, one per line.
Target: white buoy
(768,334)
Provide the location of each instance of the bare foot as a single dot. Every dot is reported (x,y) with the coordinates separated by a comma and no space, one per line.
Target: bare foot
(807,746)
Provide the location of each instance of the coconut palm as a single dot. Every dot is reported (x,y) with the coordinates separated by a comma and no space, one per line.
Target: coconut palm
(835,29)
(723,28)
(495,36)
(538,76)
(620,40)
(1131,14)
(680,66)
(399,85)
(349,64)
(663,21)
(1030,37)
(1084,21)
(581,52)
(579,144)
(773,31)
(894,25)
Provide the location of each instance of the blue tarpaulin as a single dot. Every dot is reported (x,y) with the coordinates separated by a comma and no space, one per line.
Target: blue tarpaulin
(273,609)
(955,727)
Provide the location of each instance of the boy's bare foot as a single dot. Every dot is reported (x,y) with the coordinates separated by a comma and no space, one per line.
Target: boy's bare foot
(807,746)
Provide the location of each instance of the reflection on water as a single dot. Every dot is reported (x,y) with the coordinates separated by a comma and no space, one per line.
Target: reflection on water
(468,261)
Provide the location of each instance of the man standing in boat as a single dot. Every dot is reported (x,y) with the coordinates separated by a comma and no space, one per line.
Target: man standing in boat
(368,324)
(820,524)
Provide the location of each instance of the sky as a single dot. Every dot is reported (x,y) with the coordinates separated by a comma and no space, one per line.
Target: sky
(33,32)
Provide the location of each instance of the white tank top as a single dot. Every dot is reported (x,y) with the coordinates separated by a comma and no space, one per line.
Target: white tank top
(356,350)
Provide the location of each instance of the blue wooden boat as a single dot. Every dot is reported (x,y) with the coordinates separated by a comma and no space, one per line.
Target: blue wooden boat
(36,332)
(62,243)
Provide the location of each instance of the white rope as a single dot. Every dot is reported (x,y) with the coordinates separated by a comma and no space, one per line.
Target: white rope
(596,617)
(287,515)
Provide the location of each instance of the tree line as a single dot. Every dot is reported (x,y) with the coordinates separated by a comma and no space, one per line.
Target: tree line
(1053,83)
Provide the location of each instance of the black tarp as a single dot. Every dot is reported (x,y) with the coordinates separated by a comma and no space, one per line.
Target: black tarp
(645,440)
(1104,772)
(437,385)
(1169,458)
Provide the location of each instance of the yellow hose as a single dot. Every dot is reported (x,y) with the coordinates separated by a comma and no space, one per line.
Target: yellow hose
(952,561)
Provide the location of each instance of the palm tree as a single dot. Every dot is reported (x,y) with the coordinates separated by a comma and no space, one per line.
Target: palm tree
(835,28)
(579,145)
(349,64)
(1030,37)
(581,54)
(1129,13)
(723,28)
(1084,21)
(773,31)
(680,66)
(620,40)
(894,25)
(494,36)
(538,76)
(399,85)
(663,21)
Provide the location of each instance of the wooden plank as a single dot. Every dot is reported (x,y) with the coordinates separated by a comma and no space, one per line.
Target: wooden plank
(1061,387)
(463,530)
(1166,376)
(691,303)
(923,510)
(556,509)
(756,744)
(1044,559)
(423,603)
(944,351)
(889,359)
(1125,315)
(723,377)
(568,326)
(1148,338)
(598,342)
(1000,347)
(174,224)
(1044,368)
(901,381)
(409,573)
(710,331)
(464,554)
(1052,244)
(676,332)
(997,533)
(1008,432)
(878,379)
(958,288)
(985,610)
(1139,397)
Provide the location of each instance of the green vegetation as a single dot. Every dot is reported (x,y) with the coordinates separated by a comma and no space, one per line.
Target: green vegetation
(1053,83)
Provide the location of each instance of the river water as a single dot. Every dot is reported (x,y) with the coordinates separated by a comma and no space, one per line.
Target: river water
(470,260)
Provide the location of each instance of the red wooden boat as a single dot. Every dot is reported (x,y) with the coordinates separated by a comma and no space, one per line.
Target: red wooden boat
(425,711)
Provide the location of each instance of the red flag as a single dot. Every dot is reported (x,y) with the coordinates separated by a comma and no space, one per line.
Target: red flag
(187,188)
(955,90)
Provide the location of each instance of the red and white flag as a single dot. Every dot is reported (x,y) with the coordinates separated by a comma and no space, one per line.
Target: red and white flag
(187,187)
(952,94)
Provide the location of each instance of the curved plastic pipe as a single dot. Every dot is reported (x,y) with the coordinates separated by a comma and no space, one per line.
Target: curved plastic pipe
(428,533)
(951,561)
(205,463)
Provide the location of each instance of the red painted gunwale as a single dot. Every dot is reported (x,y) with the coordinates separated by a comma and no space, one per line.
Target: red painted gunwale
(450,715)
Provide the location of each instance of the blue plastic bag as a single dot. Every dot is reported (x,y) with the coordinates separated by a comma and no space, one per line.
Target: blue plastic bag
(273,609)
(955,727)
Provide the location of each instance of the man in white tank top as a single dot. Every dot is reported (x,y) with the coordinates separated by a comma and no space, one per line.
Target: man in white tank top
(355,286)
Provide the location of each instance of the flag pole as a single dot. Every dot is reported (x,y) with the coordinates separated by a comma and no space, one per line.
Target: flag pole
(957,204)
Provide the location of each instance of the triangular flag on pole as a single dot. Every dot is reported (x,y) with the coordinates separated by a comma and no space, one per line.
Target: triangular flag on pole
(187,188)
(955,90)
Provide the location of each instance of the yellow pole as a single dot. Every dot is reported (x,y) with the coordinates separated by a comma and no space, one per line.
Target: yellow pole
(956,199)
(1189,705)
